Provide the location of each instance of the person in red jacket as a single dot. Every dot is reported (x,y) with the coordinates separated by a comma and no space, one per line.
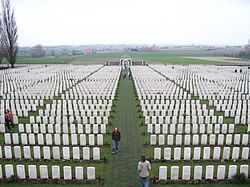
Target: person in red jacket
(116,137)
(10,117)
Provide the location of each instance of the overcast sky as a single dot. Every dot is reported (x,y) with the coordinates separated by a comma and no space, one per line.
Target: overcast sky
(67,22)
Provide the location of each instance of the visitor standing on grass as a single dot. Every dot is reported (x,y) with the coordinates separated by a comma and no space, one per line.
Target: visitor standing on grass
(7,119)
(116,137)
(144,168)
(10,117)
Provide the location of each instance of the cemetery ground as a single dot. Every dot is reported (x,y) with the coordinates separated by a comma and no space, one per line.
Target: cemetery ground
(121,169)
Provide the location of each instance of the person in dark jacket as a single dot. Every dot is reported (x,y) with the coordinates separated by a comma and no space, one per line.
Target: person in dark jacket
(7,119)
(116,137)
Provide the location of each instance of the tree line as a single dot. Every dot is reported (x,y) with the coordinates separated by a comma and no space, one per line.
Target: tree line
(8,33)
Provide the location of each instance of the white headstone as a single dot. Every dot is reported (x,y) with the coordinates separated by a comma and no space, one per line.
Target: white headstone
(216,155)
(212,139)
(32,139)
(100,139)
(231,128)
(245,138)
(236,139)
(40,139)
(153,139)
(204,139)
(197,153)
(55,172)
(7,138)
(76,153)
(236,153)
(32,171)
(232,171)
(9,171)
(187,153)
(170,139)
(91,139)
(48,139)
(66,153)
(174,172)
(245,153)
(17,152)
(1,172)
(163,173)
(157,153)
(24,139)
(206,153)
(86,153)
(91,173)
(65,139)
(244,169)
(56,152)
(46,152)
(167,153)
(74,139)
(196,139)
(209,172)
(79,173)
(186,171)
(7,152)
(220,139)
(221,172)
(37,152)
(20,169)
(226,153)
(15,138)
(177,153)
(96,153)
(82,139)
(43,171)
(197,172)
(178,139)
(67,173)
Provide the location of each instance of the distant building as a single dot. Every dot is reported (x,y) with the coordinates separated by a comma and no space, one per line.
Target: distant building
(146,49)
(88,51)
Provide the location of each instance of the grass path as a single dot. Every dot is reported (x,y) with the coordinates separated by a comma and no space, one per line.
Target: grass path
(122,167)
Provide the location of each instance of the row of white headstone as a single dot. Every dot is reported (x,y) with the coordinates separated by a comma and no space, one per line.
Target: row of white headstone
(53,139)
(181,119)
(200,173)
(191,128)
(199,153)
(197,139)
(65,119)
(102,110)
(66,153)
(62,128)
(177,112)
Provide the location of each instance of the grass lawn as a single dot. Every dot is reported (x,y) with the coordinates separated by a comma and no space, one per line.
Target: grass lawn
(161,57)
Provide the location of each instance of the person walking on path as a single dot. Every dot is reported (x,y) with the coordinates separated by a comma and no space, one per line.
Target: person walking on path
(116,137)
(144,168)
(10,117)
(7,119)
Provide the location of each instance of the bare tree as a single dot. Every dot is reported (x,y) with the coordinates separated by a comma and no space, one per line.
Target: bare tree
(9,33)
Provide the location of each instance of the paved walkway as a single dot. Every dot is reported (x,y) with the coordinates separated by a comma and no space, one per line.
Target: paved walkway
(122,167)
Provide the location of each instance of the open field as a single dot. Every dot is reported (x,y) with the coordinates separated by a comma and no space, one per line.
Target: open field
(159,57)
(223,59)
